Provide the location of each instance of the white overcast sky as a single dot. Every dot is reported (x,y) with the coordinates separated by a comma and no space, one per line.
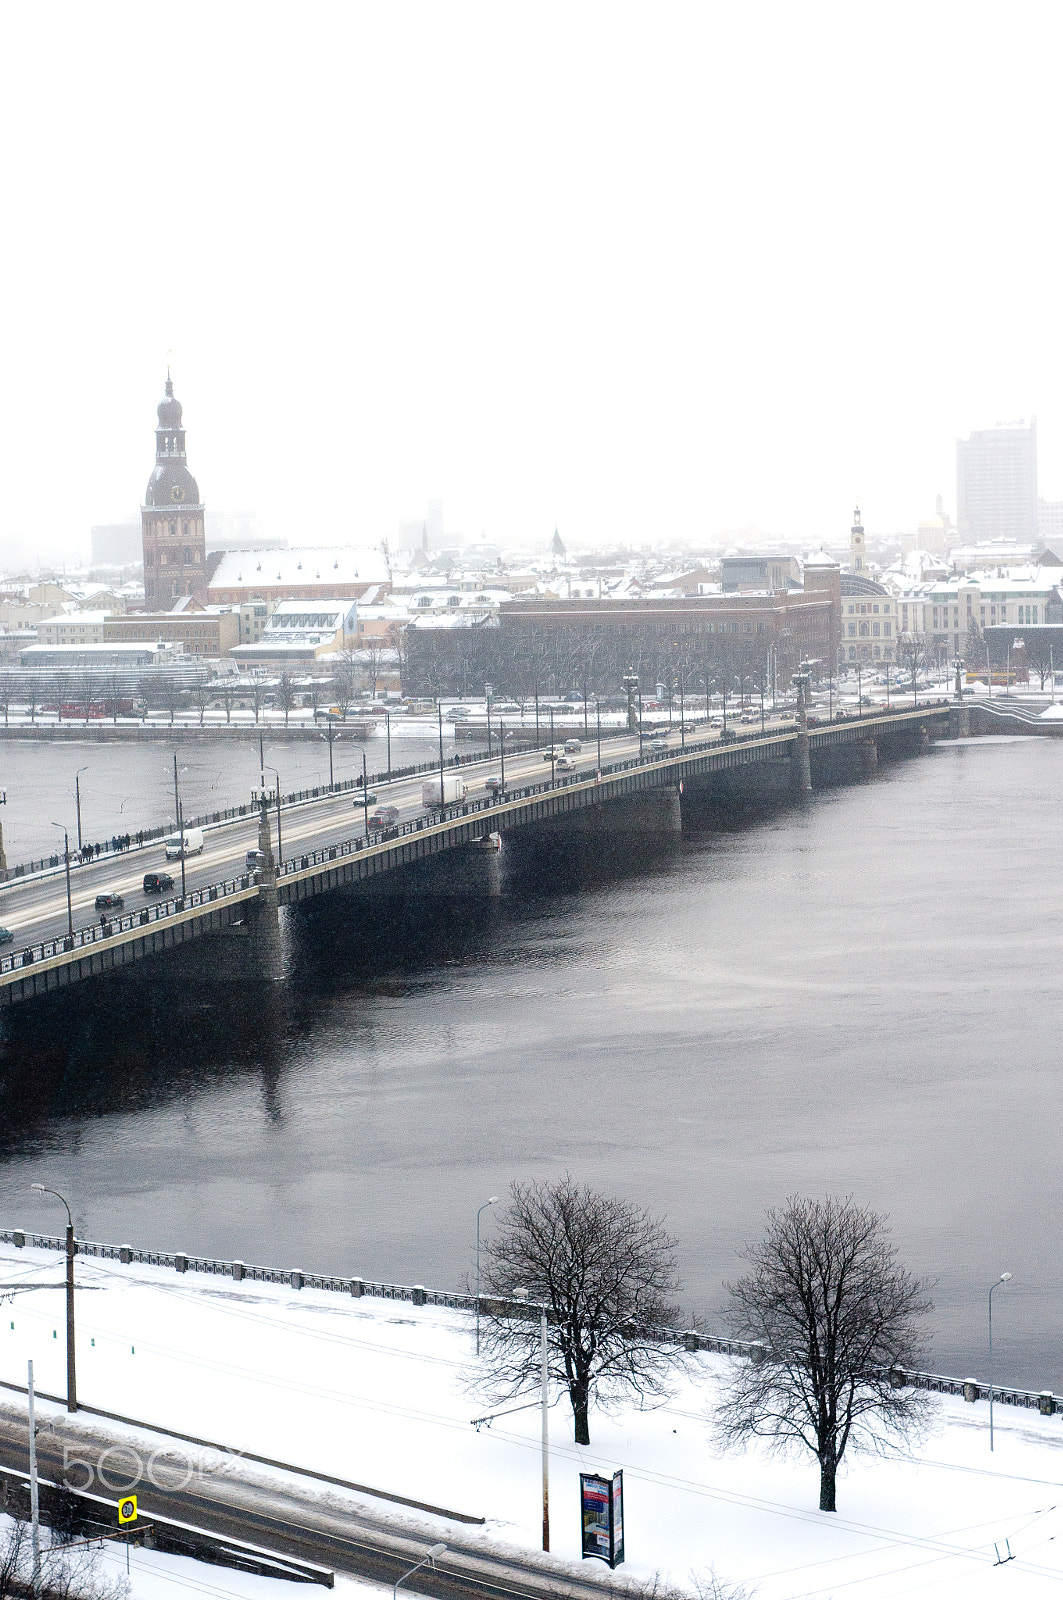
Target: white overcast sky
(640,271)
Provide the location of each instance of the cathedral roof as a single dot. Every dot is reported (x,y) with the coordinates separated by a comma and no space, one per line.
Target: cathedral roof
(171,484)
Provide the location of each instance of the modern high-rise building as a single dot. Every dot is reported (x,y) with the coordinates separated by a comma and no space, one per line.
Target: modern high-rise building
(172,517)
(996,482)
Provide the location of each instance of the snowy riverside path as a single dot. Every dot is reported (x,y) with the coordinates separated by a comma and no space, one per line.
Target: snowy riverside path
(383,1393)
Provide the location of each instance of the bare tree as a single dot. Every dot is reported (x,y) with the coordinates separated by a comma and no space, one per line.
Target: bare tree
(227,691)
(6,691)
(343,683)
(604,1270)
(256,689)
(201,694)
(64,1574)
(833,1316)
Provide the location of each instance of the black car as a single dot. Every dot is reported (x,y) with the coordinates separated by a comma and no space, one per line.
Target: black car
(109,902)
(155,882)
(6,936)
(365,800)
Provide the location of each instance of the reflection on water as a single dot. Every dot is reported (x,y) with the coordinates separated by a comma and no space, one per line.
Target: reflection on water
(857,997)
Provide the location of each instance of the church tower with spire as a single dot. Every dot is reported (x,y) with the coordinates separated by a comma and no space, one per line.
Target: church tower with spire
(857,561)
(172,517)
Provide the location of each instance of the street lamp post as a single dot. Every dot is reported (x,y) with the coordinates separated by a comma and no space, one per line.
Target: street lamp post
(1005,1277)
(71,1252)
(598,715)
(442,785)
(521,1295)
(502,753)
(331,735)
(280,851)
(77,802)
(428,1560)
(492,1202)
(365,794)
(179,814)
(387,725)
(66,860)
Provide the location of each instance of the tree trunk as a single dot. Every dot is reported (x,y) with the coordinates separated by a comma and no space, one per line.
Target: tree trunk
(578,1393)
(828,1468)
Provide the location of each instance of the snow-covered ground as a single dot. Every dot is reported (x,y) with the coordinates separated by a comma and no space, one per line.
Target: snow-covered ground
(379,1392)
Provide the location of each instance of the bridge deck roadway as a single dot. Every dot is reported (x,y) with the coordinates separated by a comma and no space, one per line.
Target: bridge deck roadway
(326,856)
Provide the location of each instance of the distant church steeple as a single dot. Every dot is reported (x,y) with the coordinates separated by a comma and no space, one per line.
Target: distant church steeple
(857,562)
(172,517)
(557,549)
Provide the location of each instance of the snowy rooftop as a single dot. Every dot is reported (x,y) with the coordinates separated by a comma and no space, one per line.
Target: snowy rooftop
(344,564)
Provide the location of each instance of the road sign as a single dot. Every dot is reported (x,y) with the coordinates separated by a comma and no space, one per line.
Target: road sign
(127,1509)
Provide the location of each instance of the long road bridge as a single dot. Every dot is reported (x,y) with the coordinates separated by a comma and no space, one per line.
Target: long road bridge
(325,847)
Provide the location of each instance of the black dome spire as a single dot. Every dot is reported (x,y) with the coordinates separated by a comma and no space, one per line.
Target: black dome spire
(169,408)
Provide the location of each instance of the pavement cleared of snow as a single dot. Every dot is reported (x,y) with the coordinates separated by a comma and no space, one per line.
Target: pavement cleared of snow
(383,1393)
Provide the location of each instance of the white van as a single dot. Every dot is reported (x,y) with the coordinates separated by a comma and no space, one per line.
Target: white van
(190,843)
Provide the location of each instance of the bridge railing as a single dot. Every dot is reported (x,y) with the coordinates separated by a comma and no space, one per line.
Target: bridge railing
(692,1339)
(125,922)
(480,806)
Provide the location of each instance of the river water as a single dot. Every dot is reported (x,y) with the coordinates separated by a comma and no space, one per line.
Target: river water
(855,998)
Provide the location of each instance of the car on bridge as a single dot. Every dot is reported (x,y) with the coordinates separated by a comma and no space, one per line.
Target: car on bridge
(495,786)
(156,882)
(110,900)
(384,817)
(554,752)
(565,764)
(6,936)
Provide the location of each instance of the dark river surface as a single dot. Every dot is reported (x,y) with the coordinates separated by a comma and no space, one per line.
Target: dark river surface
(855,998)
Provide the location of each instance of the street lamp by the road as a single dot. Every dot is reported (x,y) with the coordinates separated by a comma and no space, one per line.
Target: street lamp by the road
(553,752)
(77,802)
(1005,1277)
(66,860)
(365,794)
(71,1252)
(598,724)
(492,1202)
(544,1400)
(428,1560)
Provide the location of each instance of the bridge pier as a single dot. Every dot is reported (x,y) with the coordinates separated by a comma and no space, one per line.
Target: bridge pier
(959,722)
(473,870)
(800,766)
(869,757)
(651,814)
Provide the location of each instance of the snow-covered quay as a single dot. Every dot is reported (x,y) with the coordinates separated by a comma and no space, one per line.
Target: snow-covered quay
(384,1394)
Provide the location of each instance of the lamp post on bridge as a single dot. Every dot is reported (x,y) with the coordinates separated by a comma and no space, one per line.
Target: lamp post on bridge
(66,860)
(276,774)
(331,735)
(77,802)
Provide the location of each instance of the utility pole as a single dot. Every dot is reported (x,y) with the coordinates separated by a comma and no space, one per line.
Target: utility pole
(71,1252)
(35,1511)
(545,1380)
(502,753)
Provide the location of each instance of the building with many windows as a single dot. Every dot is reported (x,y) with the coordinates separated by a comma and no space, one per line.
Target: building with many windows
(996,482)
